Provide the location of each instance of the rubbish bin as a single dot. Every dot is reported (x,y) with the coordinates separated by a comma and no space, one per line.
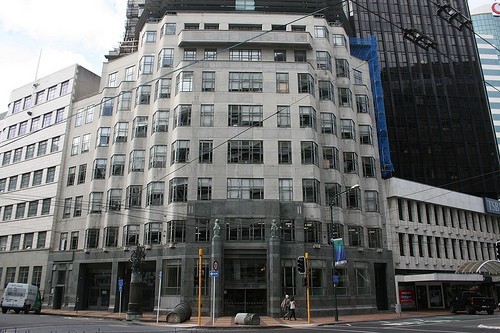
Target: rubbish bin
(247,319)
(180,314)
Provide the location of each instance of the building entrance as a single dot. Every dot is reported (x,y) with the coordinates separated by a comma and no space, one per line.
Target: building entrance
(245,300)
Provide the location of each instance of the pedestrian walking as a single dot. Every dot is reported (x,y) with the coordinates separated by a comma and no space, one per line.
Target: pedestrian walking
(293,306)
(285,306)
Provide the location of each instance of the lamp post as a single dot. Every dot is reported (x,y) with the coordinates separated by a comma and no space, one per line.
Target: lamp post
(333,248)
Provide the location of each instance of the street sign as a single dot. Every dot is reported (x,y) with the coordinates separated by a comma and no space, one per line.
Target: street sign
(120,285)
(215,265)
(214,273)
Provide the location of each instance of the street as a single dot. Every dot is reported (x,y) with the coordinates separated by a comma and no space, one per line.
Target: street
(12,323)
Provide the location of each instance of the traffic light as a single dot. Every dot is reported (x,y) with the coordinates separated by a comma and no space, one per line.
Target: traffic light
(301,264)
(498,250)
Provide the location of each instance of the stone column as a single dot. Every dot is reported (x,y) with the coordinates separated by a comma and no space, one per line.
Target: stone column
(135,295)
(274,271)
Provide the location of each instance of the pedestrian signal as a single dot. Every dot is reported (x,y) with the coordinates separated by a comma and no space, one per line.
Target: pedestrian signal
(301,265)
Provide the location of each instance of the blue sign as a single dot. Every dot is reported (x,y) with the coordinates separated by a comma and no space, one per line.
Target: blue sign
(336,279)
(492,206)
(214,273)
(120,285)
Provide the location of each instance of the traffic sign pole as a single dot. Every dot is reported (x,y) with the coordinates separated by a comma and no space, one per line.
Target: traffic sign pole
(120,289)
(159,298)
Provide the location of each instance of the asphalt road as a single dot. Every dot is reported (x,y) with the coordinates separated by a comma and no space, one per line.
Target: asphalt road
(20,323)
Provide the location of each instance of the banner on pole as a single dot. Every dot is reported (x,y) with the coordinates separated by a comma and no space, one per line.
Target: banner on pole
(339,251)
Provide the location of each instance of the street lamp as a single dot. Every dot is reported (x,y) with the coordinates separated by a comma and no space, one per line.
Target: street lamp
(333,247)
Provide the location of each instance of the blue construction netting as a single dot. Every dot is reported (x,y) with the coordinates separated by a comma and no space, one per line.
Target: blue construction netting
(366,49)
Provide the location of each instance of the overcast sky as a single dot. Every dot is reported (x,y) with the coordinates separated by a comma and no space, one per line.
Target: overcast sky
(66,32)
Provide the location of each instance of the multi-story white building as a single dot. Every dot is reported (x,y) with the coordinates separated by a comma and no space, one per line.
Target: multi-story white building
(33,135)
(435,233)
(259,121)
(486,25)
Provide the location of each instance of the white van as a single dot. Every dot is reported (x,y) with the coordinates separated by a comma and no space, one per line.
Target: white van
(21,297)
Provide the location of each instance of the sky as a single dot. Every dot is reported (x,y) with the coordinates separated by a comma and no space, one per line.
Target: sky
(61,33)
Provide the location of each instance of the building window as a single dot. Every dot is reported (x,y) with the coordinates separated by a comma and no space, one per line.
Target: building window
(282,83)
(134,196)
(355,236)
(312,232)
(163,88)
(95,202)
(362,280)
(140,127)
(89,114)
(110,237)
(307,117)
(283,116)
(77,211)
(158,156)
(325,91)
(184,82)
(306,83)
(350,162)
(285,152)
(309,153)
(125,101)
(155,193)
(321,32)
(107,106)
(137,160)
(67,208)
(73,243)
(37,177)
(178,190)
(30,151)
(16,107)
(6,158)
(47,120)
(342,67)
(245,151)
(347,129)
(245,55)
(131,235)
(210,54)
(114,199)
(146,65)
(189,54)
(54,145)
(91,238)
(179,151)
(28,241)
(207,115)
(23,128)
(82,173)
(362,104)
(287,230)
(20,209)
(205,151)
(358,77)
(40,242)
(112,80)
(168,29)
(27,103)
(375,238)
(208,81)
(103,134)
(182,115)
(204,189)
(245,230)
(371,200)
(32,208)
(160,121)
(353,198)
(300,56)
(311,191)
(166,58)
(152,233)
(245,82)
(46,203)
(286,189)
(245,115)
(23,274)
(368,166)
(339,40)
(143,95)
(63,241)
(13,183)
(365,135)
(75,145)
(245,188)
(121,132)
(71,176)
(35,125)
(42,148)
(3,182)
(12,131)
(202,230)
(100,165)
(323,60)
(7,213)
(149,37)
(328,123)
(40,97)
(172,280)
(280,55)
(331,158)
(117,165)
(176,231)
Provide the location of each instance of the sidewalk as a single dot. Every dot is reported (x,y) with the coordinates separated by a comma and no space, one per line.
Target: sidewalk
(149,318)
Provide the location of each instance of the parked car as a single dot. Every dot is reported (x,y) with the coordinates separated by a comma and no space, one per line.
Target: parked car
(471,302)
(21,297)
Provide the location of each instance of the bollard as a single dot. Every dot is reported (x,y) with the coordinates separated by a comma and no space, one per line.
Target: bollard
(247,319)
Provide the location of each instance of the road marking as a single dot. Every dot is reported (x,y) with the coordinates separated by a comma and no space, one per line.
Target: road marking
(489,327)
